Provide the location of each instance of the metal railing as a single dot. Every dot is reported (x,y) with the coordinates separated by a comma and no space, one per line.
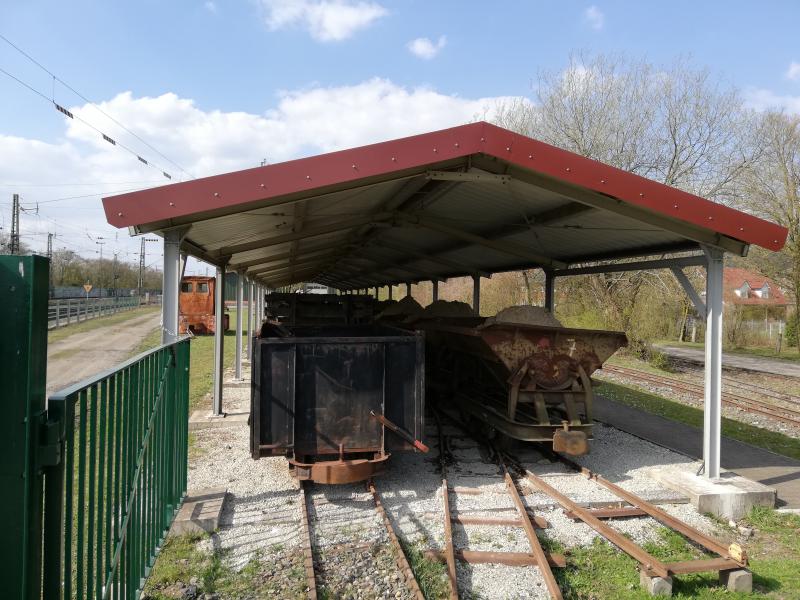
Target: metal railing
(75,310)
(112,493)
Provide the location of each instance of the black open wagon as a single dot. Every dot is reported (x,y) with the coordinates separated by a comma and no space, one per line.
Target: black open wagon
(321,396)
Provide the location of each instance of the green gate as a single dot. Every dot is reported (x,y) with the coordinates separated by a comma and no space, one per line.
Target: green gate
(93,482)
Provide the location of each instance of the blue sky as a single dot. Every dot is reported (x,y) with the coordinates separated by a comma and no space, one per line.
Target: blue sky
(232,81)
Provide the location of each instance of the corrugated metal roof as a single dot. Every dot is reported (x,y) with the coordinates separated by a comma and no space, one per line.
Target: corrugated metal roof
(474,199)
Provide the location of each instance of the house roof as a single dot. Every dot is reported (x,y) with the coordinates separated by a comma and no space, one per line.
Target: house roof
(734,278)
(474,199)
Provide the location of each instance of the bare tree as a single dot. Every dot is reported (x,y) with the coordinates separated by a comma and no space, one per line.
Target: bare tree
(772,186)
(676,125)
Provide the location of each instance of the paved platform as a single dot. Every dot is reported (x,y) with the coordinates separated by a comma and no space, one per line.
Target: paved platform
(763,466)
(735,361)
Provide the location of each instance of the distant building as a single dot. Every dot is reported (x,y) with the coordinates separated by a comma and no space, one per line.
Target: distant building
(743,287)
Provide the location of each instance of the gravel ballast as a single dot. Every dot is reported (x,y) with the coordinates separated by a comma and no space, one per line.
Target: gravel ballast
(261,520)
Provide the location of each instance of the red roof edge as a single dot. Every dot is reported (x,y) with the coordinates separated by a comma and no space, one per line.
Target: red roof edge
(345,166)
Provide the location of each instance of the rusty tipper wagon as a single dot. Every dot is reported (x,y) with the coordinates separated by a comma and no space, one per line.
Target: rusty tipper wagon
(528,382)
(336,400)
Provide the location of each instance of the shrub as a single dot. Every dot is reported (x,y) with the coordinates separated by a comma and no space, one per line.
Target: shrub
(659,360)
(792,329)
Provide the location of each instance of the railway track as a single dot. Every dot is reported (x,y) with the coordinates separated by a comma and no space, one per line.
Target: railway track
(349,544)
(519,481)
(537,557)
(784,414)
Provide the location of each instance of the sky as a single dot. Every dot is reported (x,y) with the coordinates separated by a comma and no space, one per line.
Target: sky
(200,87)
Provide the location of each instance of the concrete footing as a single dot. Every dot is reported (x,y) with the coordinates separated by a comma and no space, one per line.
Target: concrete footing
(729,497)
(737,580)
(200,512)
(204,419)
(656,586)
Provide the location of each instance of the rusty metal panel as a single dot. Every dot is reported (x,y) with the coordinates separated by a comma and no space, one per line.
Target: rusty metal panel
(314,390)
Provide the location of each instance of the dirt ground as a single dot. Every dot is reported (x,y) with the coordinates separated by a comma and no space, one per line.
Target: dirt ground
(81,355)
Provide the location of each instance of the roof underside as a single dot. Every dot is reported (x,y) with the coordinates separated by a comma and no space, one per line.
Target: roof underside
(451,203)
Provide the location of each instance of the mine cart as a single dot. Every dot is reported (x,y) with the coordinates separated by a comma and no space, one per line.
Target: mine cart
(337,400)
(319,309)
(528,382)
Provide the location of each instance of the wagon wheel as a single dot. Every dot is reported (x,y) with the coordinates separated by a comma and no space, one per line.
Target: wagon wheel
(552,372)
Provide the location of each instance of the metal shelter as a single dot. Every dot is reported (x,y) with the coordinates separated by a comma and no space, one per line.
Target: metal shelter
(471,201)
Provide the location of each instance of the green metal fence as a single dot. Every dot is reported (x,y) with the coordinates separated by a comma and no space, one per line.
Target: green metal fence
(91,479)
(122,475)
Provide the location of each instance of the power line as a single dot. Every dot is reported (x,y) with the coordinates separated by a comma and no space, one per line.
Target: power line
(94,104)
(107,138)
(80,184)
(88,195)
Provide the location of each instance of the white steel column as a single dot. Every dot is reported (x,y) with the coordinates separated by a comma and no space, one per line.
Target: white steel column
(476,295)
(435,295)
(219,337)
(170,285)
(239,322)
(249,320)
(712,408)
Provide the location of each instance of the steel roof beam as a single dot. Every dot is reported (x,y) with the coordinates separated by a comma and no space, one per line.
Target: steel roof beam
(246,264)
(387,264)
(317,260)
(446,262)
(341,225)
(697,260)
(627,209)
(497,245)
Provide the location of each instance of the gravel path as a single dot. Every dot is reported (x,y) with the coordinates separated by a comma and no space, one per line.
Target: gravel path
(82,355)
(261,520)
(736,361)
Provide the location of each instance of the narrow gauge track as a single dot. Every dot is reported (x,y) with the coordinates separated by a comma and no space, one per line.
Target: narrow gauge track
(751,387)
(537,557)
(314,561)
(789,416)
(728,559)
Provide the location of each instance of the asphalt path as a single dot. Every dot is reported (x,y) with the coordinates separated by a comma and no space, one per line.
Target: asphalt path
(81,355)
(736,361)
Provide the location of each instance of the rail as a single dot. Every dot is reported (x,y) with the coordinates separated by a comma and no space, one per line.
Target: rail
(119,476)
(61,313)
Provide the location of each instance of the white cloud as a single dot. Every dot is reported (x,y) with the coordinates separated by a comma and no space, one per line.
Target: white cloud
(206,142)
(325,20)
(594,17)
(793,72)
(425,48)
(210,6)
(761,99)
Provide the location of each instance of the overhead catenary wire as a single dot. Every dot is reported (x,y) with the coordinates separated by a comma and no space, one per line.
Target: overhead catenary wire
(94,104)
(70,115)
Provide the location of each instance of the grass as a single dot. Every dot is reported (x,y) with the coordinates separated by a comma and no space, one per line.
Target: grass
(790,354)
(601,571)
(59,334)
(201,361)
(653,403)
(182,560)
(431,574)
